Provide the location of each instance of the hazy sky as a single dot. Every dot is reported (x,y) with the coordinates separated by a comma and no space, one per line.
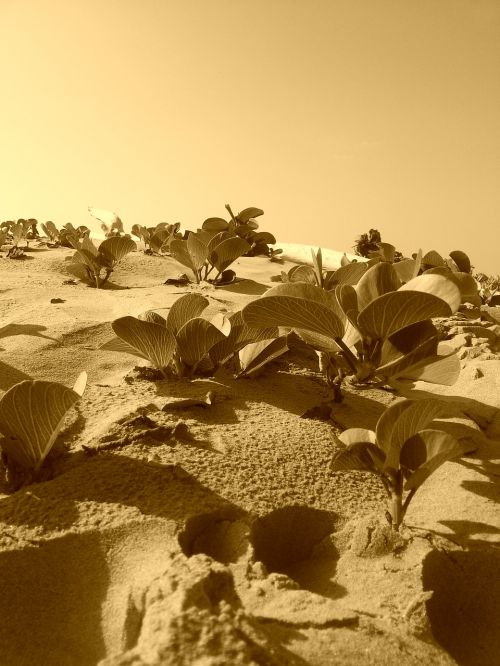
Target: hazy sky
(333,116)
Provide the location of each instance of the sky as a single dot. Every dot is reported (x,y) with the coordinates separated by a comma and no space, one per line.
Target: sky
(333,116)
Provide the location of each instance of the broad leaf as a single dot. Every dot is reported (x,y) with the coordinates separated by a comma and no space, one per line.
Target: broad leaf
(378,280)
(295,313)
(423,453)
(406,348)
(353,436)
(197,250)
(414,419)
(249,213)
(155,342)
(154,317)
(255,355)
(118,345)
(215,224)
(228,251)
(195,339)
(318,341)
(348,299)
(396,310)
(350,273)
(461,260)
(441,368)
(360,456)
(116,248)
(386,423)
(183,309)
(405,269)
(439,285)
(31,415)
(302,274)
(432,258)
(179,251)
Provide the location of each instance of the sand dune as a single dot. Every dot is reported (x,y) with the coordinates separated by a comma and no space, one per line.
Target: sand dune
(236,545)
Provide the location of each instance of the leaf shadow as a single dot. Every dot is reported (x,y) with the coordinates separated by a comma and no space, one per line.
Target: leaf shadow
(135,487)
(9,376)
(24,329)
(246,286)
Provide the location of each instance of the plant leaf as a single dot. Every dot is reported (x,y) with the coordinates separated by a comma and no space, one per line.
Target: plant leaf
(363,456)
(386,423)
(116,247)
(353,436)
(256,354)
(302,273)
(215,224)
(439,285)
(152,316)
(432,258)
(194,340)
(228,251)
(183,309)
(198,251)
(461,260)
(179,251)
(31,415)
(441,368)
(408,347)
(405,269)
(118,345)
(80,383)
(347,274)
(423,453)
(248,213)
(293,312)
(393,311)
(155,342)
(377,281)
(317,258)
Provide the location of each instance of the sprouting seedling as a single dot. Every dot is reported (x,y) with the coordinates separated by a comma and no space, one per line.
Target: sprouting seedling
(203,254)
(96,261)
(31,415)
(179,344)
(377,332)
(404,450)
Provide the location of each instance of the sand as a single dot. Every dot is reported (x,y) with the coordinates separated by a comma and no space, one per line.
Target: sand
(237,544)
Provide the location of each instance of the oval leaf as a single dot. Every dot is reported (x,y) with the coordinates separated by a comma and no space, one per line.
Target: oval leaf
(155,342)
(423,453)
(31,415)
(183,309)
(378,280)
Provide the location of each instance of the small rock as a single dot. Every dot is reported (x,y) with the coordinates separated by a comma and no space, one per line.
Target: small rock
(476,373)
(57,300)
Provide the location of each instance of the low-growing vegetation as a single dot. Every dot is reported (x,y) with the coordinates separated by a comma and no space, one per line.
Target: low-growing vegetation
(408,445)
(95,264)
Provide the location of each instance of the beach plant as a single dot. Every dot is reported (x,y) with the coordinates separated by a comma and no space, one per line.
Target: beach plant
(376,332)
(32,413)
(458,268)
(488,286)
(97,264)
(60,237)
(203,254)
(157,239)
(407,446)
(244,225)
(247,349)
(178,344)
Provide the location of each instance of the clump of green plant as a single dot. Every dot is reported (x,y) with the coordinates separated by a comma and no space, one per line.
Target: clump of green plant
(408,445)
(31,415)
(245,226)
(348,273)
(14,232)
(203,254)
(187,342)
(177,345)
(370,246)
(157,239)
(97,264)
(60,237)
(376,332)
(488,286)
(458,268)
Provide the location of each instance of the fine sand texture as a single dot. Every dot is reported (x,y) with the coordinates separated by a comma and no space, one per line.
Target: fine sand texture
(230,540)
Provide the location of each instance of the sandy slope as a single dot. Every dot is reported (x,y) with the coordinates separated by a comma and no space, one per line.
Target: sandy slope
(237,545)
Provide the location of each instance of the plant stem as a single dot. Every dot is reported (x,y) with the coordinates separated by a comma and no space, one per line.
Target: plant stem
(228,208)
(348,355)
